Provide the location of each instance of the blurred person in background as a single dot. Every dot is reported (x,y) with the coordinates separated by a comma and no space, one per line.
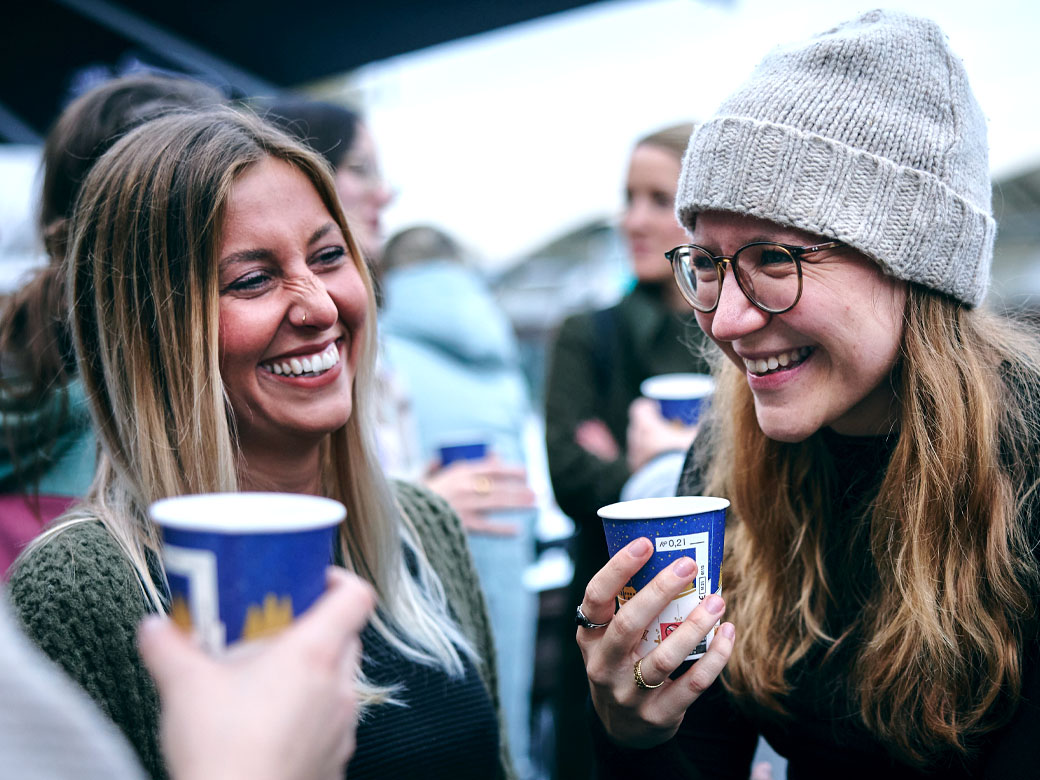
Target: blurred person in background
(455,352)
(224,330)
(47,448)
(340,135)
(596,366)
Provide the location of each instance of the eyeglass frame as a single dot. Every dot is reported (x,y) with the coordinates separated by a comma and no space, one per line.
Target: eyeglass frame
(796,253)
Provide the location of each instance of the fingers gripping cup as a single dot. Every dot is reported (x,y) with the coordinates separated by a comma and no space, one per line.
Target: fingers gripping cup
(681,397)
(241,566)
(692,526)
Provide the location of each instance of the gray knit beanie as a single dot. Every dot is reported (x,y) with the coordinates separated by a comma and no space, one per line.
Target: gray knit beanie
(867,133)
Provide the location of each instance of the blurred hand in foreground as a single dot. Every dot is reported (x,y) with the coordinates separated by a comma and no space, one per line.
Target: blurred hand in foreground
(285,708)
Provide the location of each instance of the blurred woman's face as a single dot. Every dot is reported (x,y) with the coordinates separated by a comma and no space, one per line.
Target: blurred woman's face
(292,311)
(649,220)
(363,192)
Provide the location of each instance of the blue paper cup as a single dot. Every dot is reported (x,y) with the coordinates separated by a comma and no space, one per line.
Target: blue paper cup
(241,566)
(681,397)
(462,450)
(692,526)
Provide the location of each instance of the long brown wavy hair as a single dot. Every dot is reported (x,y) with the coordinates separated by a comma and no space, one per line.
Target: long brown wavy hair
(937,647)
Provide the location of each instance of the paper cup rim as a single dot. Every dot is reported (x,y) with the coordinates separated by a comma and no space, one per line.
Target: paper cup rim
(463,439)
(677,387)
(662,508)
(182,513)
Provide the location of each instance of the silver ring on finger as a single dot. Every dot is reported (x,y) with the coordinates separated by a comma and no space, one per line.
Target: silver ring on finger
(640,682)
(584,622)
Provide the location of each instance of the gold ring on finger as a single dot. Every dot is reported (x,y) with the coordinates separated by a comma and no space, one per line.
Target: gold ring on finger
(481,485)
(640,682)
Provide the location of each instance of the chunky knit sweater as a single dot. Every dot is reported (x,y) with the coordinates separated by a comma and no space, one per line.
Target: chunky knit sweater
(80,601)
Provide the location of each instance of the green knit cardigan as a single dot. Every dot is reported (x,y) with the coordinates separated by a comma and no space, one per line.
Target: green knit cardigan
(81,602)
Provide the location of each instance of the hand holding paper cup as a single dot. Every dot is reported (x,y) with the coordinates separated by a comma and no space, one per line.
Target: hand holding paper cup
(242,566)
(682,397)
(692,526)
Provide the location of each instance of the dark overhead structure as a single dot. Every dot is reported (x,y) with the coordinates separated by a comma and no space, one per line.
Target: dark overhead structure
(249,48)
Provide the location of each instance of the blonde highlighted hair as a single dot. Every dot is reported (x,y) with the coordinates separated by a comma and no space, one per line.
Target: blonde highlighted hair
(937,648)
(144,299)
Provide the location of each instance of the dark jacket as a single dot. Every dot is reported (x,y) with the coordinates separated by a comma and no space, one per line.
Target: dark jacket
(597,364)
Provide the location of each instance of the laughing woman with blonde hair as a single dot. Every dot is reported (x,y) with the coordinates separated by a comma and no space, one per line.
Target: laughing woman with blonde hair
(224,329)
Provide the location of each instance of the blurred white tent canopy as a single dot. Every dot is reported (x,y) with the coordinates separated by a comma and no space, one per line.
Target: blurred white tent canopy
(511,138)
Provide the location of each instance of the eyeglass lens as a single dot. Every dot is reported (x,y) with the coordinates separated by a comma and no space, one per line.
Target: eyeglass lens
(768,275)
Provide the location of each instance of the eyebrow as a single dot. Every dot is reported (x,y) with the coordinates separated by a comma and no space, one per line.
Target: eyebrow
(323,231)
(251,255)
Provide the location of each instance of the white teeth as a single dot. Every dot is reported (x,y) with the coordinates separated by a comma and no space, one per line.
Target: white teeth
(773,362)
(311,364)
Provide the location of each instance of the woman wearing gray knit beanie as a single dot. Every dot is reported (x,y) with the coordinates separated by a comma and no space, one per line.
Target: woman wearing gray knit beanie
(875,429)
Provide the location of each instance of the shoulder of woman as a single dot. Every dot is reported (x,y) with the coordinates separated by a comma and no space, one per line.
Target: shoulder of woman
(424,507)
(437,527)
(440,534)
(68,549)
(76,585)
(79,599)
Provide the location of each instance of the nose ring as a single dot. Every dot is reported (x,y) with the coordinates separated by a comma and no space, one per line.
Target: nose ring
(303,319)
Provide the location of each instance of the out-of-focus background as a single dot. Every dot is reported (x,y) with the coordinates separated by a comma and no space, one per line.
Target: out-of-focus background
(508,124)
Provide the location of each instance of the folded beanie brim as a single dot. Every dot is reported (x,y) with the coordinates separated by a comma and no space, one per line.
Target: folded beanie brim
(907,220)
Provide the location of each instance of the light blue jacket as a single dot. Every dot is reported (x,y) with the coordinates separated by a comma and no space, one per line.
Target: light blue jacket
(448,340)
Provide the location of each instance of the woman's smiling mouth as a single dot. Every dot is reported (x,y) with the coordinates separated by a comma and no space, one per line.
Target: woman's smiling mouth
(778,362)
(315,364)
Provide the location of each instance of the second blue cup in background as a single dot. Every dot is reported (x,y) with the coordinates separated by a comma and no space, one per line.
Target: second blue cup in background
(681,397)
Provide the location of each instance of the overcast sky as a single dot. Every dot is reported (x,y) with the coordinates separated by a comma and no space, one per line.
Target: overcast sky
(509,138)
